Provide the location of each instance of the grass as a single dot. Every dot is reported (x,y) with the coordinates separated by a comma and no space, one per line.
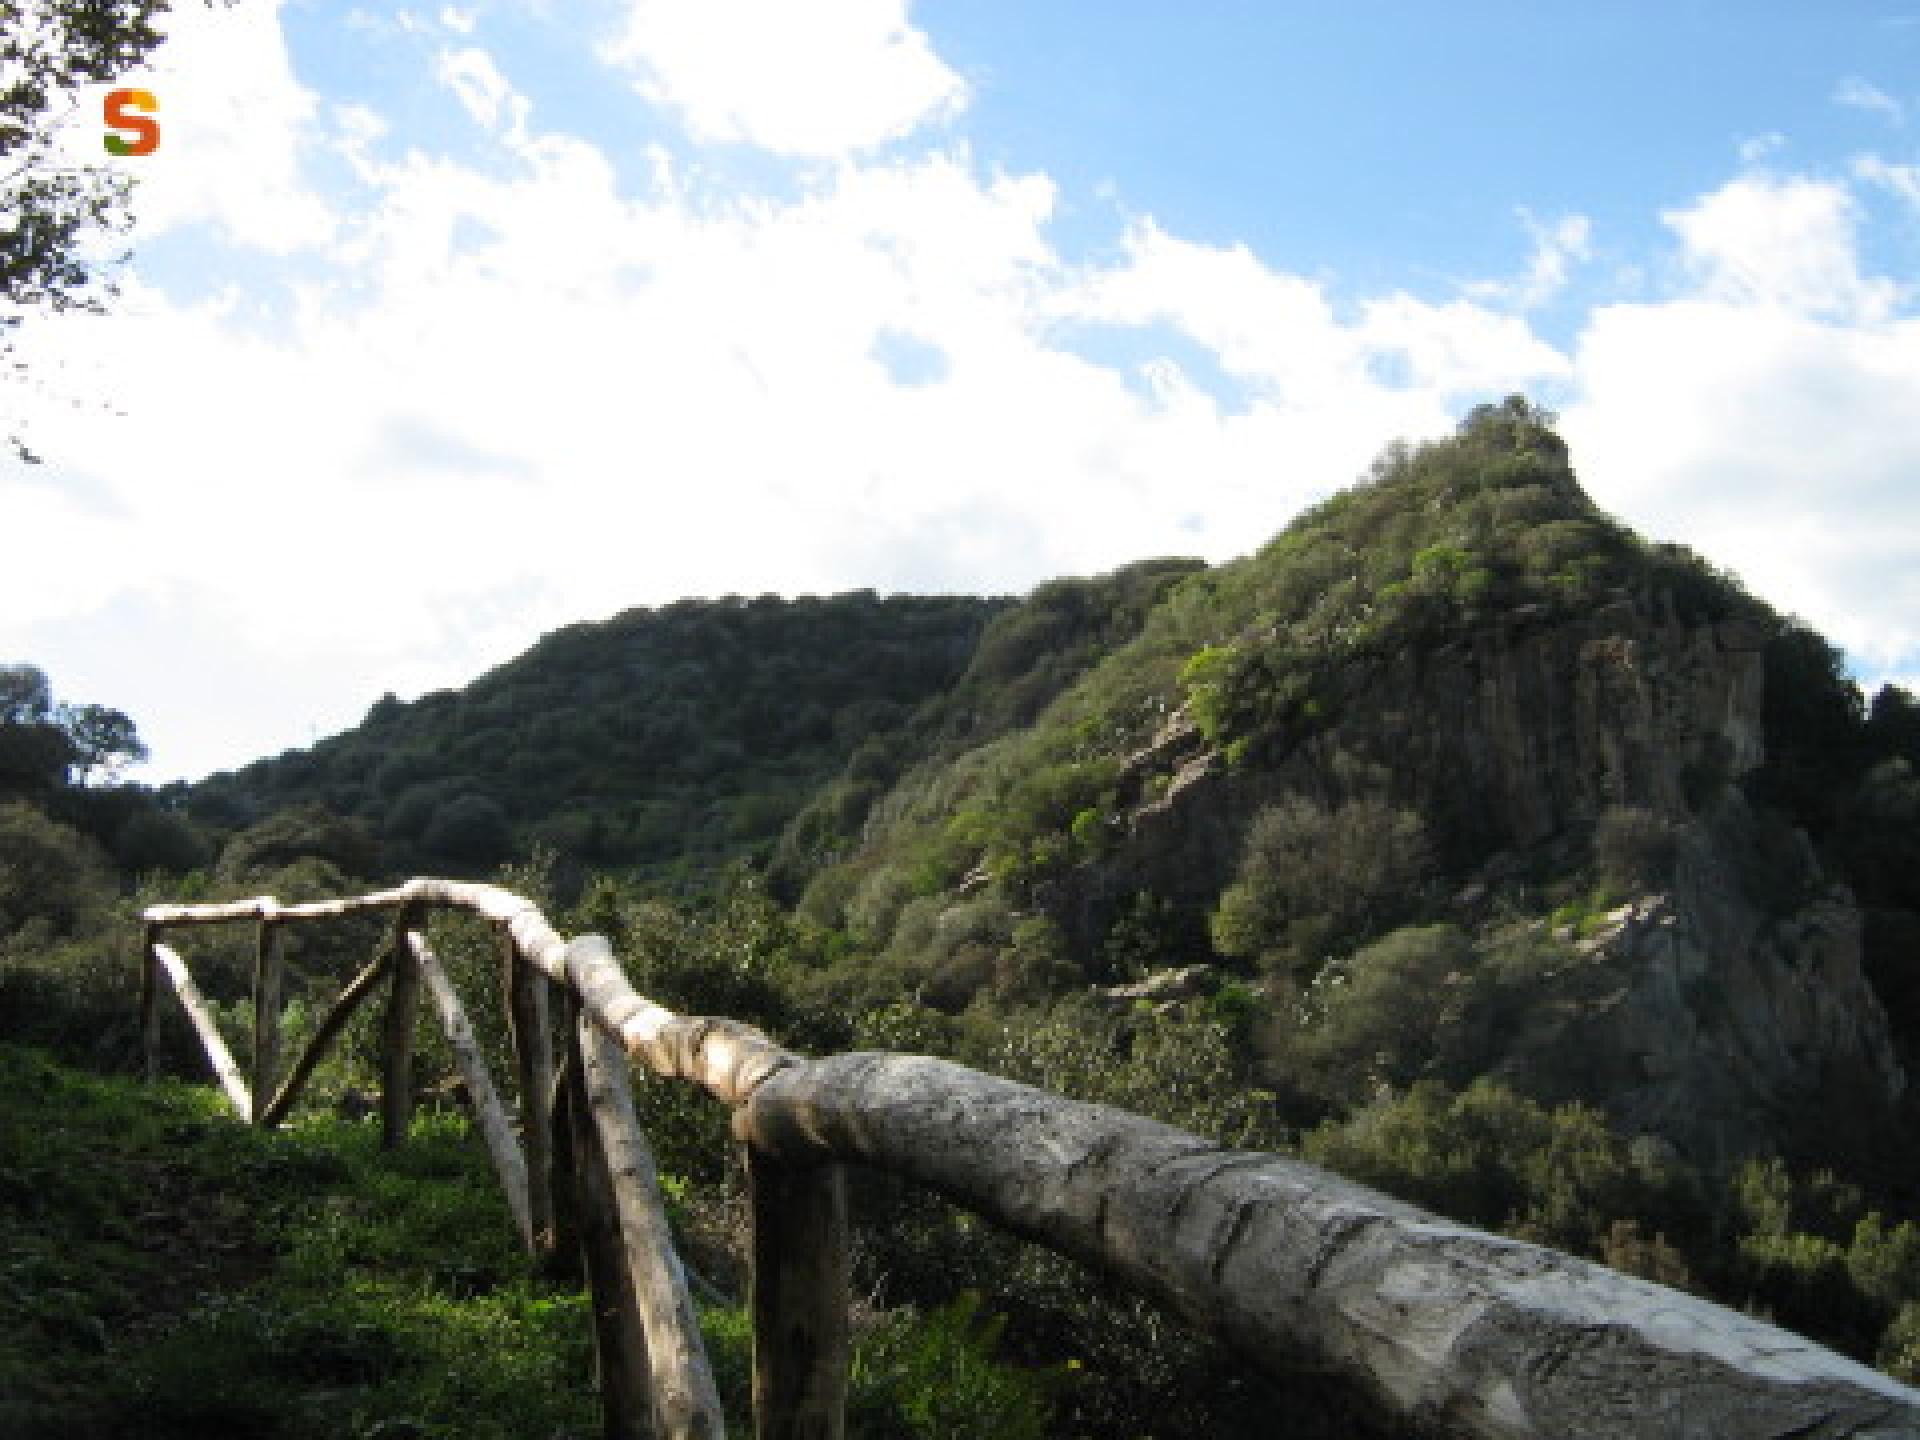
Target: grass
(165,1271)
(168,1272)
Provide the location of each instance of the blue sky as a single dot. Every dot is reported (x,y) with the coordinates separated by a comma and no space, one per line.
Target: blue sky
(452,324)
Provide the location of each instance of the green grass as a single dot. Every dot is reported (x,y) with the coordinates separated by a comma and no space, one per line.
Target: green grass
(165,1271)
(168,1272)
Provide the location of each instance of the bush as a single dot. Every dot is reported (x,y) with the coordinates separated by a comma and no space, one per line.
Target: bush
(50,875)
(935,1375)
(1633,849)
(1382,1016)
(1357,866)
(294,834)
(1491,1158)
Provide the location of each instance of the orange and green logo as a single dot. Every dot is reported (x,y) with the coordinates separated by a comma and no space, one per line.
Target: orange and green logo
(132,111)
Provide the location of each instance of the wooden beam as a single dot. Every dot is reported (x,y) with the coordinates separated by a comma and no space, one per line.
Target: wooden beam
(502,1149)
(799,1299)
(267,970)
(149,1009)
(565,1266)
(331,1024)
(397,1037)
(201,1014)
(530,1029)
(619,1336)
(724,1057)
(686,1405)
(1449,1327)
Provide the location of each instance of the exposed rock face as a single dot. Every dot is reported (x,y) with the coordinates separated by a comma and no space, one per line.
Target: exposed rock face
(1701,1014)
(1530,729)
(1709,1019)
(1514,738)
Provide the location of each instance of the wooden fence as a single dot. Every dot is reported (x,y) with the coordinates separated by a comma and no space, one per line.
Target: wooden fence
(1453,1330)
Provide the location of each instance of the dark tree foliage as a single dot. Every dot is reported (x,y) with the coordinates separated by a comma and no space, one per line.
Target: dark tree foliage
(44,745)
(673,741)
(52,214)
(105,740)
(34,750)
(471,830)
(48,50)
(294,834)
(1816,732)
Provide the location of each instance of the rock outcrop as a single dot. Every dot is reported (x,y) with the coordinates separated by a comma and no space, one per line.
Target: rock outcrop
(1703,1013)
(1707,1015)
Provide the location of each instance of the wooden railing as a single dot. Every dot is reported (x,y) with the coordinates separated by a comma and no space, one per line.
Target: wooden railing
(1452,1330)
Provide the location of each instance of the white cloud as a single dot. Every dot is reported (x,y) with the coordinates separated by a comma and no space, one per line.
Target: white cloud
(1900,180)
(1557,250)
(1762,413)
(544,387)
(234,124)
(812,80)
(480,87)
(511,394)
(1789,243)
(1859,94)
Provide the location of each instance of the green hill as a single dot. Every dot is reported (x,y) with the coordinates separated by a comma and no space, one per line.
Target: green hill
(667,741)
(1459,839)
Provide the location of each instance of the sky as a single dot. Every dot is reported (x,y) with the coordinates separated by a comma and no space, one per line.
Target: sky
(449,325)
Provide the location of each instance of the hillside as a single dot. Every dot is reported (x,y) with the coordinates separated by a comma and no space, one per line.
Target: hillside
(665,741)
(1458,746)
(1559,773)
(669,743)
(1458,839)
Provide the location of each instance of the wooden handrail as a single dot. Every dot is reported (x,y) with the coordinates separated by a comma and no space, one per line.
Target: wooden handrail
(1454,1330)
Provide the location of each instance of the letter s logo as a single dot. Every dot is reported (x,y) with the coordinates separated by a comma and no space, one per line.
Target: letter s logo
(146,133)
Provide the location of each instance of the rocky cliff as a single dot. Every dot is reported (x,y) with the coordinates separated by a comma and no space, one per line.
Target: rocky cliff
(1456,701)
(1710,1011)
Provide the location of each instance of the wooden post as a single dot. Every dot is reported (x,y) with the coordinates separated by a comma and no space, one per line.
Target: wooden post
(530,1028)
(331,1024)
(201,1014)
(619,1338)
(403,1008)
(686,1405)
(149,1009)
(799,1299)
(266,1013)
(563,1265)
(502,1149)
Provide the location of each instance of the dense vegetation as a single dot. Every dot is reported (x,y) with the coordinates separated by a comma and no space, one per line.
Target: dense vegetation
(930,825)
(663,742)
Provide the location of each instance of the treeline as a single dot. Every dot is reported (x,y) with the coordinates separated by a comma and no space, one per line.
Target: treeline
(661,742)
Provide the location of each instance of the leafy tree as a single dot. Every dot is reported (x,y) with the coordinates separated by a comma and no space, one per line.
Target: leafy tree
(41,743)
(35,749)
(155,839)
(104,740)
(51,214)
(25,696)
(1383,1016)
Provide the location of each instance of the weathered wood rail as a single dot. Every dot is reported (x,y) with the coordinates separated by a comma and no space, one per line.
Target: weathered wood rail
(1455,1331)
